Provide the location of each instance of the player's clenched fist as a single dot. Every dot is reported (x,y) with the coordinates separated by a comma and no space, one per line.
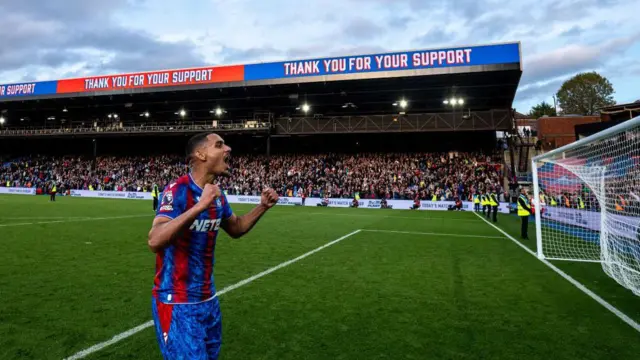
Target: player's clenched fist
(209,194)
(269,197)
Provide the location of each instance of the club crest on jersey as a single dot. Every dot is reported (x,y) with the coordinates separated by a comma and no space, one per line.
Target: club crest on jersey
(218,202)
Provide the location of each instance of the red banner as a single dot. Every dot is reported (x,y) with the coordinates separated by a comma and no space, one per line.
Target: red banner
(181,77)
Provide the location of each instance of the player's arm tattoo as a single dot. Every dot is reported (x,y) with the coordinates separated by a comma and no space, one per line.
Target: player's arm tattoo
(237,226)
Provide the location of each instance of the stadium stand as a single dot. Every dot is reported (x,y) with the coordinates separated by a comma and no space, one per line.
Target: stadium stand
(371,175)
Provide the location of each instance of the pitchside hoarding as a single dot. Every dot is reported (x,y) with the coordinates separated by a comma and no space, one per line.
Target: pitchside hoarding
(320,67)
(240,199)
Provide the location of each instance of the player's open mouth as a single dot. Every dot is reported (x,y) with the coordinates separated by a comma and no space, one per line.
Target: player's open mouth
(226,159)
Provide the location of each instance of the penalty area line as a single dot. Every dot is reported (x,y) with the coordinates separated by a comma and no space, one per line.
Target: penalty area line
(573,281)
(148,324)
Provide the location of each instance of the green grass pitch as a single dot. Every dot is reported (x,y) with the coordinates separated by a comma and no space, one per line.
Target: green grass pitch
(77,272)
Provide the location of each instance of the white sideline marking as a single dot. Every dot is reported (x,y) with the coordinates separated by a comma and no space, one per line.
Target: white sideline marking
(432,233)
(573,281)
(246,281)
(43,217)
(77,220)
(394,217)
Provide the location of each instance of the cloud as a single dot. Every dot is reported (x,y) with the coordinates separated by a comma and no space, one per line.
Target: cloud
(434,36)
(534,91)
(235,55)
(574,31)
(573,9)
(357,50)
(493,24)
(361,29)
(50,35)
(399,22)
(69,11)
(466,8)
(574,58)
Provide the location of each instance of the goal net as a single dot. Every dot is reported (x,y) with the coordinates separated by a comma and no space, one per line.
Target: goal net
(587,197)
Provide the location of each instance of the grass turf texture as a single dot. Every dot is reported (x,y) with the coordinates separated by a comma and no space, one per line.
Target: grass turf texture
(69,281)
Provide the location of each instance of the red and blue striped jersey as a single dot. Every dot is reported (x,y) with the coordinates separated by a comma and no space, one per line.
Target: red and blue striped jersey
(184,269)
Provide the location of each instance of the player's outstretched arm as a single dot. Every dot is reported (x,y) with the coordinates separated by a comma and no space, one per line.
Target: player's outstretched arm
(165,229)
(237,226)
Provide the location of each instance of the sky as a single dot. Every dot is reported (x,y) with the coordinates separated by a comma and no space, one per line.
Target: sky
(48,40)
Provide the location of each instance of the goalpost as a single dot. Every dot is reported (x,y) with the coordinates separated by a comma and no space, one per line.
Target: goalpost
(587,201)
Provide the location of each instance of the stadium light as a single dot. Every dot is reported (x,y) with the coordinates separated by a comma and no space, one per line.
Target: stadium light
(304,107)
(65,110)
(1,120)
(110,116)
(453,101)
(218,111)
(182,113)
(403,103)
(115,116)
(145,114)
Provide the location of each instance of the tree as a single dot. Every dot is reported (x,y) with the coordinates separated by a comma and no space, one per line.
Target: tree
(542,109)
(585,94)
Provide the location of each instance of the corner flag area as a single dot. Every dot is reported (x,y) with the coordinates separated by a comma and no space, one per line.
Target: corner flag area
(307,283)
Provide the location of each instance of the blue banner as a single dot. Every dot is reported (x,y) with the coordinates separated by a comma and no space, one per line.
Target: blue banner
(422,59)
(28,89)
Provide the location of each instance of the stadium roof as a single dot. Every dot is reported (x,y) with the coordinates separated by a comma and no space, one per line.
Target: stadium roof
(485,77)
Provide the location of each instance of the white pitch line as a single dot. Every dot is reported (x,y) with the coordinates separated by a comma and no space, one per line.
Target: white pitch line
(76,220)
(433,233)
(246,281)
(394,217)
(43,217)
(573,281)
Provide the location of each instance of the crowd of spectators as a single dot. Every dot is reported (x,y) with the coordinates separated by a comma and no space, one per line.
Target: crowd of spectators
(391,176)
(78,173)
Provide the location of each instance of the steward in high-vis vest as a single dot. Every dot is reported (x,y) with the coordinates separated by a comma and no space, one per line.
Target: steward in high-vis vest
(476,202)
(483,202)
(580,203)
(524,210)
(54,190)
(155,194)
(493,203)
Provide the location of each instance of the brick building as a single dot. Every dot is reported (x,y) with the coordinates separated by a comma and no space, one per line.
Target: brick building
(557,131)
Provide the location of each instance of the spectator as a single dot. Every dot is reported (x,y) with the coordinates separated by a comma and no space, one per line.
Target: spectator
(425,176)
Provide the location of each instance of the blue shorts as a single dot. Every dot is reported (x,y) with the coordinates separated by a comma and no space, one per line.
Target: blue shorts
(188,331)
